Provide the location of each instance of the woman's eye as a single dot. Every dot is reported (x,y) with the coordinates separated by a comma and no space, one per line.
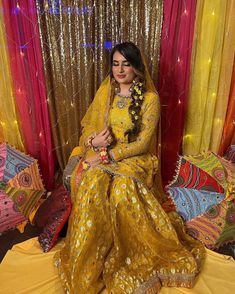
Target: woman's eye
(127,64)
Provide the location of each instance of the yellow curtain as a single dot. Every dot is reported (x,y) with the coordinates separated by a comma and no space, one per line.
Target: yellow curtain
(9,130)
(207,73)
(225,78)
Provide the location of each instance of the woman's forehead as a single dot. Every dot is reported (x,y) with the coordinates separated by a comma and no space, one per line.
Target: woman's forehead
(117,56)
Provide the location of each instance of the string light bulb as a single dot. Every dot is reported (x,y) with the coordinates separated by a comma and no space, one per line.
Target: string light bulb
(218,120)
(188,136)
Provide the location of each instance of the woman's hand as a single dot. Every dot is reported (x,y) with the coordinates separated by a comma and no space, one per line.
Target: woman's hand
(103,139)
(94,160)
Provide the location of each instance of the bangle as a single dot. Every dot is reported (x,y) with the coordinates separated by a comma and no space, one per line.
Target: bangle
(104,155)
(90,145)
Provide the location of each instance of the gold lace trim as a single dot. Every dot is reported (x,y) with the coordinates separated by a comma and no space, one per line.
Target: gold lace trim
(153,285)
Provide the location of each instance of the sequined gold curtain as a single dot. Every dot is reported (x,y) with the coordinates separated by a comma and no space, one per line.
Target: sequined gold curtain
(76,37)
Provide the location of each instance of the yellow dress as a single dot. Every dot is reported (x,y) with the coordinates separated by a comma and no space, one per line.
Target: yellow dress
(119,237)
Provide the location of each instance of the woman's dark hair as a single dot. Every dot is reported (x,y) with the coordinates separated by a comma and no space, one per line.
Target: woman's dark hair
(132,54)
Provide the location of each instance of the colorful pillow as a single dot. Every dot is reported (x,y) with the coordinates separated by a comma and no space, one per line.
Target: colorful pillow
(52,216)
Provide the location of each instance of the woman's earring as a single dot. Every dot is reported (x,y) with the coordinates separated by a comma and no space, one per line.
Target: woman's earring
(116,87)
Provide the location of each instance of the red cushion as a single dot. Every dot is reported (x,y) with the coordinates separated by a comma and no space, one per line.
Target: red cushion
(52,216)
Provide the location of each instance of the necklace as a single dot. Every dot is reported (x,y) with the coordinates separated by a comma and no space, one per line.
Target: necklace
(123,96)
(122,102)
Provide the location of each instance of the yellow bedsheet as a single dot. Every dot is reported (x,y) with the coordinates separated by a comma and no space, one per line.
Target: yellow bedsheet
(26,269)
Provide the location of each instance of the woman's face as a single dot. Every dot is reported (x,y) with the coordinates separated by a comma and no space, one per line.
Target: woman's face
(122,70)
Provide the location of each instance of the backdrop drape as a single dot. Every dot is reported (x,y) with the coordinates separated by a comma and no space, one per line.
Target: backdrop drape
(224,83)
(76,37)
(29,84)
(228,137)
(176,45)
(8,116)
(211,71)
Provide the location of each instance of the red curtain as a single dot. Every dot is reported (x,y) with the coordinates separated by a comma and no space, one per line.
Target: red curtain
(176,47)
(28,81)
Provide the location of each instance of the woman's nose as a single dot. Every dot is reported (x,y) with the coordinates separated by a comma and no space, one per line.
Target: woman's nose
(120,69)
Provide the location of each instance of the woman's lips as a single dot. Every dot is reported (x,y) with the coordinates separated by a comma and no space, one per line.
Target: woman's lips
(121,76)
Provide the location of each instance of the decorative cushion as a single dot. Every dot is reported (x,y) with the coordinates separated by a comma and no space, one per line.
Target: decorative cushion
(52,216)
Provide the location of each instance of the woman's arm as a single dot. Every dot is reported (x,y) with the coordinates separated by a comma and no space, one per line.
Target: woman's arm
(149,122)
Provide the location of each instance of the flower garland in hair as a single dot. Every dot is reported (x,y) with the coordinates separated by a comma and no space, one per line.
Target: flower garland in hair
(135,107)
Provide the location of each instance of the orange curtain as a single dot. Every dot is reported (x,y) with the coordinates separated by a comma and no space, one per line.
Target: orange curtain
(228,137)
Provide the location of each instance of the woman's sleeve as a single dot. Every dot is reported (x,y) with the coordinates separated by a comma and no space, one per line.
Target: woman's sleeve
(149,123)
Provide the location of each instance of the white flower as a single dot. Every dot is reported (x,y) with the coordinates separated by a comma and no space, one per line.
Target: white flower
(133,200)
(89,223)
(128,260)
(144,191)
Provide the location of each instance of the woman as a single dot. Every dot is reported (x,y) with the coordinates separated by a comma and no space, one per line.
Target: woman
(119,237)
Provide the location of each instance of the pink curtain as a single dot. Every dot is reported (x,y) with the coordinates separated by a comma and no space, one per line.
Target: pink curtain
(29,84)
(176,48)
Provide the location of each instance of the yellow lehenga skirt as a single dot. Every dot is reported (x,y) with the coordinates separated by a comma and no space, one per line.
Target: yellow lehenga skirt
(119,237)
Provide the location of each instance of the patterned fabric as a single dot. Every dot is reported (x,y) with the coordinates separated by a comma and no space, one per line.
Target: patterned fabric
(209,162)
(208,227)
(210,216)
(21,186)
(230,153)
(12,162)
(227,234)
(52,216)
(10,216)
(189,175)
(217,227)
(118,234)
(191,203)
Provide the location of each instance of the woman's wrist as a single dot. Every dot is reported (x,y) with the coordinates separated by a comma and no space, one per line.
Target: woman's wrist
(111,156)
(90,145)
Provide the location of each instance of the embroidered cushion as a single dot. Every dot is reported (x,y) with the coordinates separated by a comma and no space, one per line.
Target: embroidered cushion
(52,216)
